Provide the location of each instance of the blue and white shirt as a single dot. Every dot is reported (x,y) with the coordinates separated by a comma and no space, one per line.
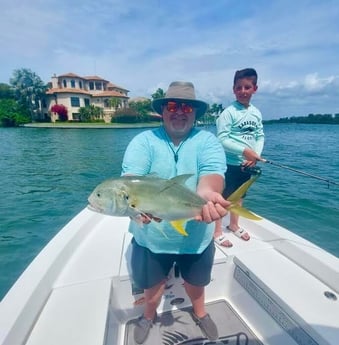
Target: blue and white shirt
(199,154)
(239,127)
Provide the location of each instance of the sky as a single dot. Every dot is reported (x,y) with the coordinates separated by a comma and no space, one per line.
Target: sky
(143,45)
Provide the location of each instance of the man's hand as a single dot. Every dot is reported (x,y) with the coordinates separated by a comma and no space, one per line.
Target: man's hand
(147,218)
(214,209)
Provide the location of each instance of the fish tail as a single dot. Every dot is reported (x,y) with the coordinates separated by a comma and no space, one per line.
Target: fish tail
(235,197)
(239,193)
(244,212)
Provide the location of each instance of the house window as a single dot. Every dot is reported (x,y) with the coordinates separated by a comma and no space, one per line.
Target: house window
(86,102)
(75,102)
(98,86)
(80,84)
(91,85)
(64,83)
(72,84)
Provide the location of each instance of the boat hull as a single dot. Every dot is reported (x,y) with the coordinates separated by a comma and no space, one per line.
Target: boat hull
(275,289)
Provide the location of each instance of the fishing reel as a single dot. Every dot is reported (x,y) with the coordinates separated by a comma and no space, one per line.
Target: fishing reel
(254,171)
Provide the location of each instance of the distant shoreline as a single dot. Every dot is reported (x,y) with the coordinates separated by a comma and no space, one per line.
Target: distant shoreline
(92,125)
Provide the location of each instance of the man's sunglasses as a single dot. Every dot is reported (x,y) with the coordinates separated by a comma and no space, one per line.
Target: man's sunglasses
(173,107)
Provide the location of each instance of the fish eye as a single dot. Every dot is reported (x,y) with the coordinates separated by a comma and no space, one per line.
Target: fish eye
(98,195)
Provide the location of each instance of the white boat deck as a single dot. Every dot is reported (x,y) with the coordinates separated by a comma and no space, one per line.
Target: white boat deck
(78,290)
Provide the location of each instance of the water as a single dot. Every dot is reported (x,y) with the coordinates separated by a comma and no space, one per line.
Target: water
(47,175)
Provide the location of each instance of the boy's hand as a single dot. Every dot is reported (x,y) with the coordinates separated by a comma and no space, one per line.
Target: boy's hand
(251,157)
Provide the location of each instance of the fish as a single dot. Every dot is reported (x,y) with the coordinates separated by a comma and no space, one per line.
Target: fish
(166,199)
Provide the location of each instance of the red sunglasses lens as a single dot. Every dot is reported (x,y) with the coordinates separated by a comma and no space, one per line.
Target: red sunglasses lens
(173,107)
(186,108)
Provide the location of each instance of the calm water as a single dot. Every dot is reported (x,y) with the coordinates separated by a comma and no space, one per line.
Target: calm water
(47,174)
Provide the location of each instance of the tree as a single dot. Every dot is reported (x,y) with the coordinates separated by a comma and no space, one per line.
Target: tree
(6,92)
(96,112)
(142,108)
(29,90)
(12,114)
(114,103)
(215,109)
(84,114)
(90,113)
(160,93)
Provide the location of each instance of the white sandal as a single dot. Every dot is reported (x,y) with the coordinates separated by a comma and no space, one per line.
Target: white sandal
(240,233)
(222,239)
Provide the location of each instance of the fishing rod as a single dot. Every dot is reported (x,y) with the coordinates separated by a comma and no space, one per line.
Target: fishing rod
(301,172)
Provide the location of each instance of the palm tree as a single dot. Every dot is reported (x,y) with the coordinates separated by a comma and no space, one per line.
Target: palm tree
(142,108)
(29,90)
(96,112)
(216,109)
(114,103)
(84,114)
(160,93)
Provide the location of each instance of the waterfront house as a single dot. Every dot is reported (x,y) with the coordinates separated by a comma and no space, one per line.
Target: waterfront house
(74,92)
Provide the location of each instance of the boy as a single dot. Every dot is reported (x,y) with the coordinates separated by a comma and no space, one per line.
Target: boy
(240,130)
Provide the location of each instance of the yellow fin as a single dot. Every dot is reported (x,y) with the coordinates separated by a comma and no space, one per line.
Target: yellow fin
(239,193)
(178,225)
(242,211)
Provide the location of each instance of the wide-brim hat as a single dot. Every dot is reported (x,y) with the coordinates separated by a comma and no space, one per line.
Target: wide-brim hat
(181,91)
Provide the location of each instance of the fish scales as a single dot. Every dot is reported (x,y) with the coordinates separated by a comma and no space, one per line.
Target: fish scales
(170,200)
(128,195)
(165,199)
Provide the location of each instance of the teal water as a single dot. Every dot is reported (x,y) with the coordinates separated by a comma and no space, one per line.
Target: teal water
(47,175)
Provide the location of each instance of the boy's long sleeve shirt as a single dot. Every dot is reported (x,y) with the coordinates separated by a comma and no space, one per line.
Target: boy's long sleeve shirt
(239,127)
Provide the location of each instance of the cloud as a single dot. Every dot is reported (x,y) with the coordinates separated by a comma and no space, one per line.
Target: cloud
(143,45)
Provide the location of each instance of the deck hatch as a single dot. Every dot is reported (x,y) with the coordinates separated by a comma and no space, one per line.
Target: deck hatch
(273,309)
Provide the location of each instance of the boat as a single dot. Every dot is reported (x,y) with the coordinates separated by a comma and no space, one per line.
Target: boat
(276,289)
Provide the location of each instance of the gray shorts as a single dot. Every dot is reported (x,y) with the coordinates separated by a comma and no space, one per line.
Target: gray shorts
(149,269)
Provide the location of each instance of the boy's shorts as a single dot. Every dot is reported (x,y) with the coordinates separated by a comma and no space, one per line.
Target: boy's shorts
(235,176)
(149,269)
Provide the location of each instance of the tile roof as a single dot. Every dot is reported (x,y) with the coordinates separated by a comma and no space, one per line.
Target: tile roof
(82,91)
(109,94)
(111,85)
(71,75)
(67,90)
(94,77)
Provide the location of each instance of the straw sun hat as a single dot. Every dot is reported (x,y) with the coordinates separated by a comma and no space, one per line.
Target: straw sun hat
(183,92)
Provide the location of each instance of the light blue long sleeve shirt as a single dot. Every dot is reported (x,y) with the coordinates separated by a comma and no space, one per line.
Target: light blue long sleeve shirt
(239,127)
(152,152)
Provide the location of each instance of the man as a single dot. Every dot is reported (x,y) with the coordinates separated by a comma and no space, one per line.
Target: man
(174,149)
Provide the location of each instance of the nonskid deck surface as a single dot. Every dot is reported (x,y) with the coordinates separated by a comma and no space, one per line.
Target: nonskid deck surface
(177,327)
